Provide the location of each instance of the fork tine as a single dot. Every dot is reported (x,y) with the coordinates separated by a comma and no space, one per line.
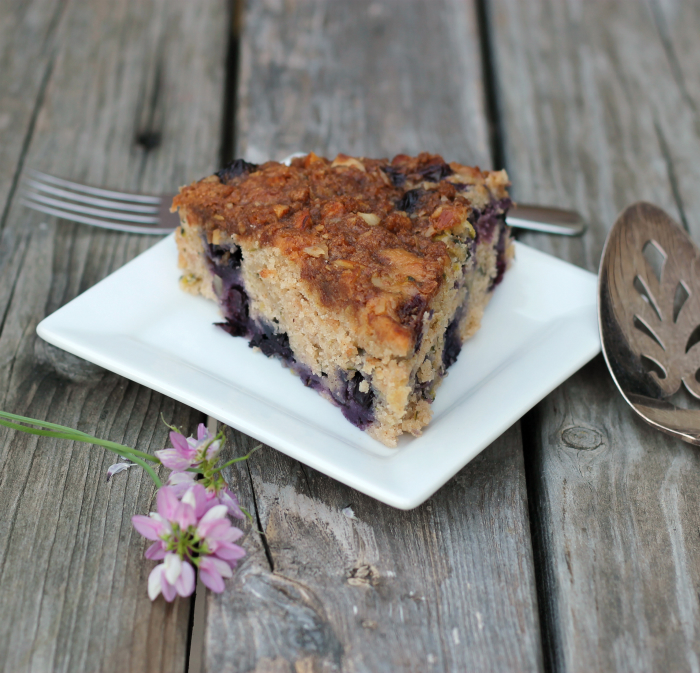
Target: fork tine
(83,198)
(104,224)
(95,191)
(35,197)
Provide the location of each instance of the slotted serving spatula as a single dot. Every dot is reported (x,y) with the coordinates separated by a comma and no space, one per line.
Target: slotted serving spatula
(649,316)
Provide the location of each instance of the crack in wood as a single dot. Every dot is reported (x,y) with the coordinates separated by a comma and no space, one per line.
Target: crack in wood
(488,66)
(230,98)
(544,580)
(261,532)
(306,477)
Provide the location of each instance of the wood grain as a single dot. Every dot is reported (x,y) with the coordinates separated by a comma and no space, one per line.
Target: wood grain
(598,109)
(27,50)
(131,99)
(448,586)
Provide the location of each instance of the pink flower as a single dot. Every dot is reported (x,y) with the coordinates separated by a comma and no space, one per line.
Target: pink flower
(193,530)
(212,571)
(218,535)
(187,451)
(172,577)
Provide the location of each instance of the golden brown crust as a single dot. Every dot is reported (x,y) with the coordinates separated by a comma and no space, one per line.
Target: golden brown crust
(371,237)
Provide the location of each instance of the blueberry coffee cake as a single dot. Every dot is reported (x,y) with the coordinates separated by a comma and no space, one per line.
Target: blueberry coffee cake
(364,276)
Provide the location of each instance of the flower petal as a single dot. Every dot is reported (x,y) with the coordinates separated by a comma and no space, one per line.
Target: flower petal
(196,496)
(155,552)
(214,530)
(202,432)
(188,498)
(173,567)
(210,575)
(232,534)
(182,445)
(185,583)
(180,482)
(167,589)
(216,512)
(167,502)
(184,516)
(230,499)
(117,468)
(149,528)
(223,568)
(229,551)
(213,449)
(155,582)
(173,460)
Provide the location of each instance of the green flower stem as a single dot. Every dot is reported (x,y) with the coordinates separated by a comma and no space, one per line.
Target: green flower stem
(43,424)
(247,513)
(237,460)
(149,469)
(77,436)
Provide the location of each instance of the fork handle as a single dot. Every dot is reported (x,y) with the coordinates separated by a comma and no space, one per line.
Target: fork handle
(545,219)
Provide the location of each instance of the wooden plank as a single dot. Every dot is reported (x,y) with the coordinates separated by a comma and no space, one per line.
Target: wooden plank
(599,109)
(27,47)
(448,586)
(133,101)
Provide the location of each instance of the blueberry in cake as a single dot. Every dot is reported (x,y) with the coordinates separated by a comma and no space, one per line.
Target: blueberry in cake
(364,276)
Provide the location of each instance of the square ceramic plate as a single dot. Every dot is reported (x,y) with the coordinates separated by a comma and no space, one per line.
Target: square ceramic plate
(540,327)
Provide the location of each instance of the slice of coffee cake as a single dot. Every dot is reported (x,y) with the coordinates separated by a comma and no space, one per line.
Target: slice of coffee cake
(363,276)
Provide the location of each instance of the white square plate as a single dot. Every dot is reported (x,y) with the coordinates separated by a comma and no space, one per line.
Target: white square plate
(540,327)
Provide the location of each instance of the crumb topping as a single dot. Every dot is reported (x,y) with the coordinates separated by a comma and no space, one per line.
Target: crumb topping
(374,238)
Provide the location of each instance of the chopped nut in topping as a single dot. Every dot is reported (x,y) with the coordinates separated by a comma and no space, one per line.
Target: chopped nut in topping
(343,264)
(280,210)
(317,250)
(370,218)
(345,160)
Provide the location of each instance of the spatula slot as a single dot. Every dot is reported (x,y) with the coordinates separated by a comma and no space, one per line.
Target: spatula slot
(655,257)
(645,329)
(641,287)
(681,296)
(693,338)
(651,365)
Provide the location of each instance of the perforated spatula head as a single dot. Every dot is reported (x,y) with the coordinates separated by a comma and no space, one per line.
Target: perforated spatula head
(649,316)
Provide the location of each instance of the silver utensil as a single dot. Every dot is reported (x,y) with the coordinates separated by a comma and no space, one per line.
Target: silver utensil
(649,317)
(145,214)
(122,211)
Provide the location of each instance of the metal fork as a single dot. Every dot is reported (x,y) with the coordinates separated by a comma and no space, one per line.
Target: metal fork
(123,211)
(145,214)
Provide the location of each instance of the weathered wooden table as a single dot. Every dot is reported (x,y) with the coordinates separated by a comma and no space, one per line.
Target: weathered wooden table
(571,544)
